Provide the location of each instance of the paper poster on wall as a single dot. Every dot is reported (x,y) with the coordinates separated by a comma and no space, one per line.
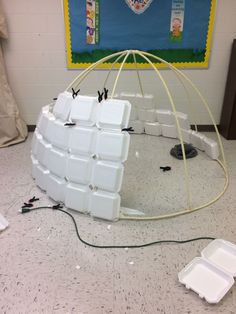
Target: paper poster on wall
(92,22)
(138,6)
(177,21)
(178,31)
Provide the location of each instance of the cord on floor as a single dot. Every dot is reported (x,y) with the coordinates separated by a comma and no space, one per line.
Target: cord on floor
(59,207)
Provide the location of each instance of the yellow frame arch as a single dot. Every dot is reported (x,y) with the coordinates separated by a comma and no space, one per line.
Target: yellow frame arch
(147,56)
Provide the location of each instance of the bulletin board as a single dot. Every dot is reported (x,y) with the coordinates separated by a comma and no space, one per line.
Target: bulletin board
(179,31)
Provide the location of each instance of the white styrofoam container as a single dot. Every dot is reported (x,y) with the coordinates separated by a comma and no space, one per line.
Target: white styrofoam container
(62,107)
(113,146)
(222,254)
(206,280)
(41,174)
(44,110)
(211,147)
(3,223)
(79,169)
(55,188)
(77,197)
(34,164)
(104,205)
(84,110)
(186,134)
(82,140)
(133,113)
(144,102)
(107,175)
(183,120)
(138,126)
(131,97)
(165,117)
(42,124)
(169,130)
(142,114)
(43,148)
(212,275)
(127,96)
(197,139)
(147,115)
(153,128)
(35,140)
(56,161)
(149,101)
(151,115)
(57,134)
(114,114)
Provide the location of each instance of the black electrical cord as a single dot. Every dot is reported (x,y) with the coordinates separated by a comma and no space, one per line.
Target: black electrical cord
(59,208)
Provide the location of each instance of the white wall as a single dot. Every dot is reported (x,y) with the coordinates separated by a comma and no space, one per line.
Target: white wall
(36,60)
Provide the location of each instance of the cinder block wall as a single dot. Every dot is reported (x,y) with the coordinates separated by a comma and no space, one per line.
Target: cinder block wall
(36,60)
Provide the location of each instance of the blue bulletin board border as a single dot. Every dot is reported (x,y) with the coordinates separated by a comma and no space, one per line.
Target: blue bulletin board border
(76,64)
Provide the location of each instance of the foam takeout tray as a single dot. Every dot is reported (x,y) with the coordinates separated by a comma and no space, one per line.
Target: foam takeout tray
(212,275)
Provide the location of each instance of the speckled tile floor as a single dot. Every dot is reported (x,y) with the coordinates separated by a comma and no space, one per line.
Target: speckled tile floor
(45,269)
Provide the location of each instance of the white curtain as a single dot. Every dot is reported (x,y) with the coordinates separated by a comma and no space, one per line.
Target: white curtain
(12,128)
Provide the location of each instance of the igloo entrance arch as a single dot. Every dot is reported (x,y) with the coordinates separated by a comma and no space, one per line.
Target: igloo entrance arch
(81,142)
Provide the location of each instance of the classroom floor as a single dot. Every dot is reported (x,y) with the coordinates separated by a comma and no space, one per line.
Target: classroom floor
(44,268)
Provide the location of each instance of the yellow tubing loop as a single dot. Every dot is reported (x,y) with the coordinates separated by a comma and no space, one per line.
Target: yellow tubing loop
(183,80)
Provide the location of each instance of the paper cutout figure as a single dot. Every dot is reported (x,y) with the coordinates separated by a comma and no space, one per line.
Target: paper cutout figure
(138,6)
(177,20)
(176,27)
(92,8)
